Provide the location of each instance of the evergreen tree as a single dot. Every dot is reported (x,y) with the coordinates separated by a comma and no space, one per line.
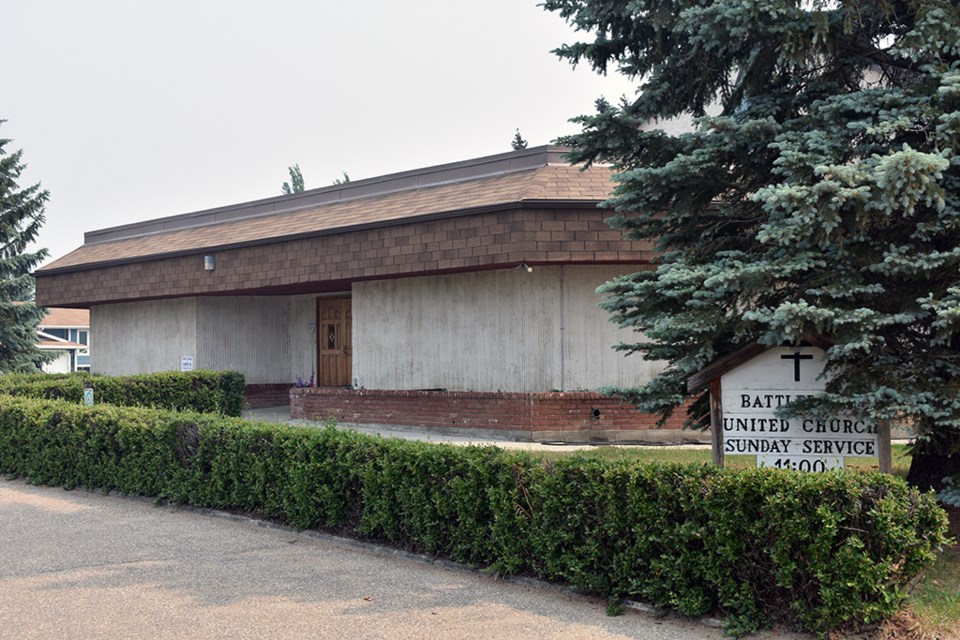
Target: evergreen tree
(822,198)
(518,142)
(344,180)
(21,216)
(296,181)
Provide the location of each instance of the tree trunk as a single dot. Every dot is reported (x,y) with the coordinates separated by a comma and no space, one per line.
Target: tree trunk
(933,460)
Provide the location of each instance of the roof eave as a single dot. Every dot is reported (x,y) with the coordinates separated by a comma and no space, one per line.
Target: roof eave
(731,361)
(507,206)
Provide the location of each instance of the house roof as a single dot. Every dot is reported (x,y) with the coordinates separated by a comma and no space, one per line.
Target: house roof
(60,345)
(731,361)
(530,177)
(66,318)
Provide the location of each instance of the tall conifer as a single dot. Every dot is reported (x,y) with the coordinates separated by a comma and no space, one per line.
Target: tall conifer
(21,216)
(518,143)
(296,184)
(820,196)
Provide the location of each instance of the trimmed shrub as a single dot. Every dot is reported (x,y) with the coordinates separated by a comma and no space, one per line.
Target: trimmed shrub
(817,551)
(202,391)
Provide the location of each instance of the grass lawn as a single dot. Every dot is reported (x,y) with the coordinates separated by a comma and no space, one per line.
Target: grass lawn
(935,601)
(932,609)
(901,460)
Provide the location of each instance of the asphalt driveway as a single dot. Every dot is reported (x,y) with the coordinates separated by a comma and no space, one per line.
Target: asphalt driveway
(78,564)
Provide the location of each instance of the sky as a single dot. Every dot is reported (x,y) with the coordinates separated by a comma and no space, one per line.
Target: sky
(128,110)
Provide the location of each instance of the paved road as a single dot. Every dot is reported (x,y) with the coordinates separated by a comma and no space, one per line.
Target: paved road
(85,565)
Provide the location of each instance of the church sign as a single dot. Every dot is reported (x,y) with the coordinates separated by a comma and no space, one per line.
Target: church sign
(746,390)
(750,396)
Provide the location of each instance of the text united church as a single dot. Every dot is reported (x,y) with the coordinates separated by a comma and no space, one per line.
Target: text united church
(781,425)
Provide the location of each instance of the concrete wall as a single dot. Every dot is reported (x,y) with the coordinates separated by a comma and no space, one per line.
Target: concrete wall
(143,337)
(245,333)
(505,330)
(252,334)
(302,336)
(589,360)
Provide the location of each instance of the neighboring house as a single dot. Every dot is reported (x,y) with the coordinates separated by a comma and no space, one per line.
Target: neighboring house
(459,296)
(66,332)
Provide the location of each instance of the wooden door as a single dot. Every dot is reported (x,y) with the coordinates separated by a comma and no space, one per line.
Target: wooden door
(334,342)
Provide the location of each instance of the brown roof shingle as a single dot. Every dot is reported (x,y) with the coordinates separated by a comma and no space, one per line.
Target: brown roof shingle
(548,183)
(62,317)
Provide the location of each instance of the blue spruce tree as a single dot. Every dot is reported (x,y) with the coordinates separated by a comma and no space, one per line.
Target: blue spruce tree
(21,216)
(820,196)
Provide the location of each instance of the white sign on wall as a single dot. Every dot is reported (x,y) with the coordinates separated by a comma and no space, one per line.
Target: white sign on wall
(186,363)
(750,396)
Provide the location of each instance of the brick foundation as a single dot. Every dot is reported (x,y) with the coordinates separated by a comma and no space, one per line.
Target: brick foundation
(565,416)
(265,395)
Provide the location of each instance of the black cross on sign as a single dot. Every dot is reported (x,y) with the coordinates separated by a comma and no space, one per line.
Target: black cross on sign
(797,357)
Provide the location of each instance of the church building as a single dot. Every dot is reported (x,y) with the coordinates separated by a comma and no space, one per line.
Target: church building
(460,297)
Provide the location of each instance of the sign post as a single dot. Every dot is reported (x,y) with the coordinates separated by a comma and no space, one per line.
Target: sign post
(716,422)
(87,393)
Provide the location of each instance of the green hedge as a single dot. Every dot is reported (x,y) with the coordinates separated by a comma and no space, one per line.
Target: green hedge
(759,546)
(202,391)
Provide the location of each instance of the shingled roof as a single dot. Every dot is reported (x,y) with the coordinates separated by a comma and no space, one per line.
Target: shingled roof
(524,207)
(531,177)
(59,317)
